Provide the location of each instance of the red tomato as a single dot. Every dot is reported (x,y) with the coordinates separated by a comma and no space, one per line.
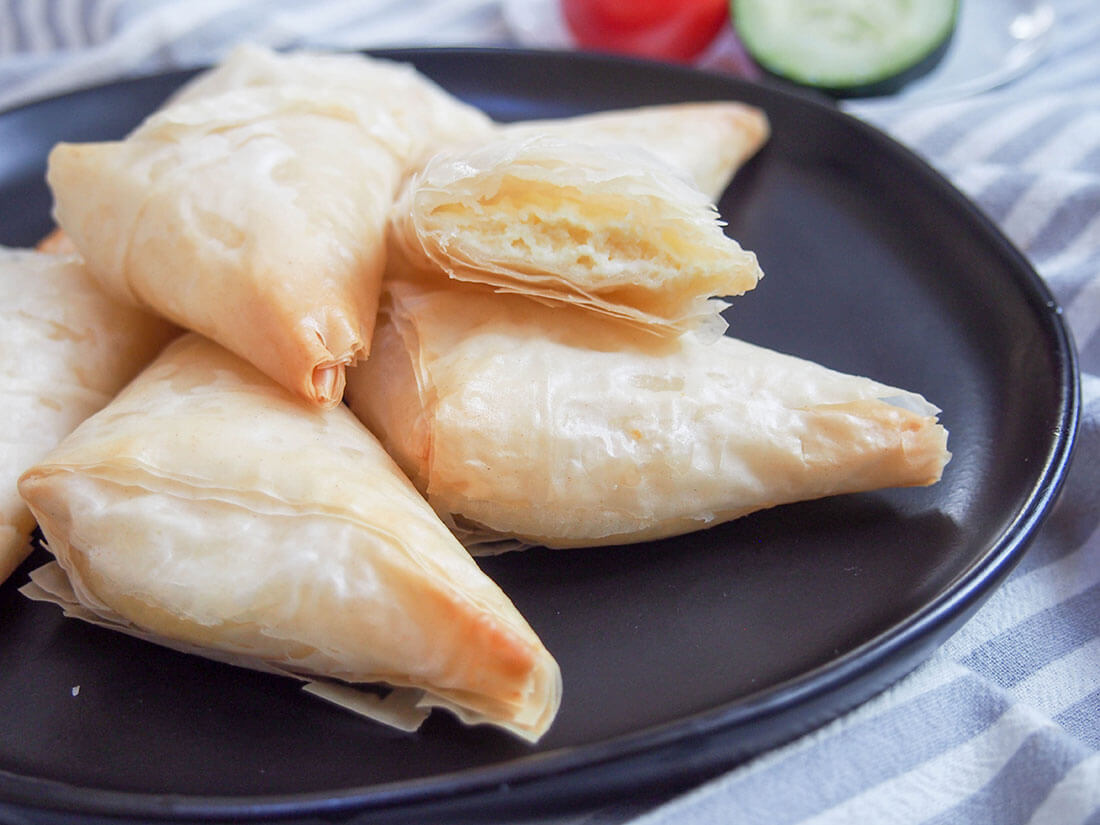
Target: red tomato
(665,29)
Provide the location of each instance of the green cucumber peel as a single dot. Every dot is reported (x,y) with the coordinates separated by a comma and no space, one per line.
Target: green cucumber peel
(851,46)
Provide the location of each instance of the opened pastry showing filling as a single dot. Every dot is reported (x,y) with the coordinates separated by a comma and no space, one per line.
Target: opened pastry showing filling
(551,230)
(609,228)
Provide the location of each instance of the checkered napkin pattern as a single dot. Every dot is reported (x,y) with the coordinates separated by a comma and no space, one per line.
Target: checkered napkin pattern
(1002,724)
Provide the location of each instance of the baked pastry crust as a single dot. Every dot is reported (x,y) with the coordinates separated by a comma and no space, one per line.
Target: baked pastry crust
(555,427)
(209,509)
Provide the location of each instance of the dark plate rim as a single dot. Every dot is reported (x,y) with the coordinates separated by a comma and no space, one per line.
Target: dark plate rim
(921,631)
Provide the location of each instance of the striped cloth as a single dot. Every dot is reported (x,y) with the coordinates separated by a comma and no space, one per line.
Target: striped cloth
(1001,724)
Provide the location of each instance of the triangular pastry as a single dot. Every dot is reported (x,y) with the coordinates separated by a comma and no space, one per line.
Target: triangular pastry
(554,427)
(254,217)
(210,508)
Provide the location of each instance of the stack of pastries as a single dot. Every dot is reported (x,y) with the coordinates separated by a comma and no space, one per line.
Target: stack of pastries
(523,320)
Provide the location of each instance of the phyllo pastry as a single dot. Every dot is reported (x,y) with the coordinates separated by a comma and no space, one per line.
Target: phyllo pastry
(255,217)
(707,141)
(608,228)
(65,350)
(427,116)
(209,508)
(555,427)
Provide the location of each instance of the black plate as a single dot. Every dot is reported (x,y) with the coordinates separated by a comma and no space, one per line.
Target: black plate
(680,657)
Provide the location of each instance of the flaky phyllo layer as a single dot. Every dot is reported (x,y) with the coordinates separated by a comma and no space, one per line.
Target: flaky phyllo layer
(208,509)
(554,427)
(606,227)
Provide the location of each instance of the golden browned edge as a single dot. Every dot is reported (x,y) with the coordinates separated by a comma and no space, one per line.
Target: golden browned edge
(57,243)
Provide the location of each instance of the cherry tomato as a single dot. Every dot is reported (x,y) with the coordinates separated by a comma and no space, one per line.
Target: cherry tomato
(664,29)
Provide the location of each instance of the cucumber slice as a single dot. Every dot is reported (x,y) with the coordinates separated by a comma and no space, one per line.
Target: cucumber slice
(846,47)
